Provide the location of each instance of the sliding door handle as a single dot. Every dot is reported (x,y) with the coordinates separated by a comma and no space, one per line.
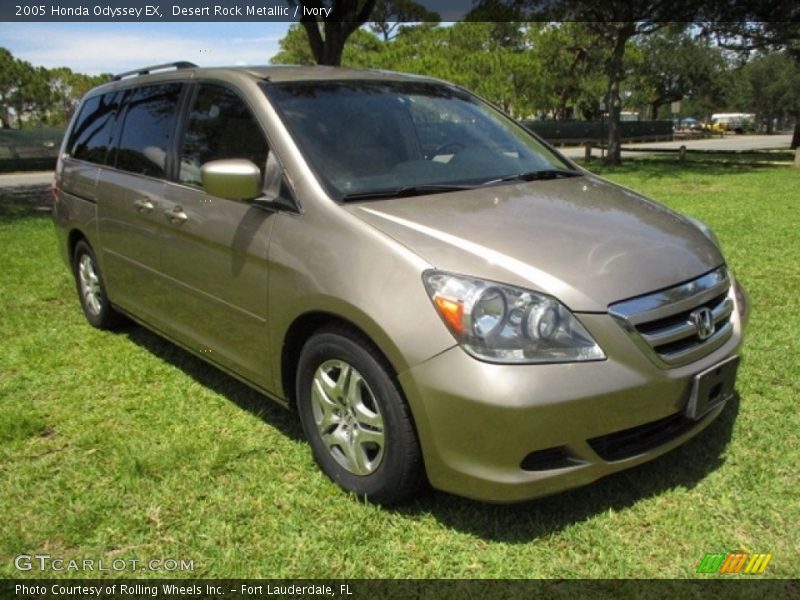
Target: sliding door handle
(144,205)
(176,216)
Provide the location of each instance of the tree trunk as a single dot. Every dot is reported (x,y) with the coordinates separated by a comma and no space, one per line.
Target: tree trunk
(344,20)
(336,34)
(614,155)
(327,50)
(796,135)
(615,74)
(331,55)
(315,41)
(561,109)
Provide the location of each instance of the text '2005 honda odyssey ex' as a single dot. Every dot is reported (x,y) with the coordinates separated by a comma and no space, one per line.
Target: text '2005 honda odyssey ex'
(437,293)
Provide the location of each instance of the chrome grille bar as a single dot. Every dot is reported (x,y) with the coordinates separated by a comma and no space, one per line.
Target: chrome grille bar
(663,323)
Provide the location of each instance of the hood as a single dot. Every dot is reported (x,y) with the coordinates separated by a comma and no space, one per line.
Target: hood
(586,241)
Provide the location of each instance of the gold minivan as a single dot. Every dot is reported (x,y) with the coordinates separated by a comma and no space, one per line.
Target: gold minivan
(440,295)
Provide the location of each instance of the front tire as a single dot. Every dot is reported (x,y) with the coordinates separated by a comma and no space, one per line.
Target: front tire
(91,288)
(355,419)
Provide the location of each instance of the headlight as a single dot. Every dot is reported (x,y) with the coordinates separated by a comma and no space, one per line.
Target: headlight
(506,324)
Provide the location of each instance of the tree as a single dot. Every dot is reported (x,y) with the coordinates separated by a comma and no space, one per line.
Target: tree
(750,29)
(568,62)
(25,95)
(388,15)
(328,24)
(629,19)
(676,65)
(482,57)
(33,97)
(487,58)
(68,88)
(8,81)
(615,36)
(613,23)
(361,50)
(294,48)
(36,95)
(774,81)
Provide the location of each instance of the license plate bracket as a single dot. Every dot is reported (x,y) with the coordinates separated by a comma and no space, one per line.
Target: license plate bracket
(712,387)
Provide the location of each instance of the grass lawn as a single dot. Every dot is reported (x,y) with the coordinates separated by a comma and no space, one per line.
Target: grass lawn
(120,445)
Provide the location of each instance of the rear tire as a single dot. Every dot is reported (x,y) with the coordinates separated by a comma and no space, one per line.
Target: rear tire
(355,419)
(91,288)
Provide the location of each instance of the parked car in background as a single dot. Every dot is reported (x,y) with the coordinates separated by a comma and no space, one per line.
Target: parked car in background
(438,293)
(684,123)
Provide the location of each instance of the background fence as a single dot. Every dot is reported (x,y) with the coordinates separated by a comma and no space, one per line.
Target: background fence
(29,149)
(37,148)
(596,132)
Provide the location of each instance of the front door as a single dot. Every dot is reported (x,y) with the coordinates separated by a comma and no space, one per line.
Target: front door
(214,251)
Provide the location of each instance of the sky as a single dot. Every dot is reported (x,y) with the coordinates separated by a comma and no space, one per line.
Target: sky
(94,48)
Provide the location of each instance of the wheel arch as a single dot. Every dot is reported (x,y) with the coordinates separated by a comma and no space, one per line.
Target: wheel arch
(73,237)
(309,323)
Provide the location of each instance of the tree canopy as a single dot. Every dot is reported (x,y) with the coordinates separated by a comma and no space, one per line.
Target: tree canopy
(760,34)
(38,96)
(587,69)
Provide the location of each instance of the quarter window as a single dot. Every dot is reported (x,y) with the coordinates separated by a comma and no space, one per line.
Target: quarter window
(220,126)
(148,129)
(91,137)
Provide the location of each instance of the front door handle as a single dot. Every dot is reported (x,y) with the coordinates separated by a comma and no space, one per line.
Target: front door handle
(176,216)
(144,205)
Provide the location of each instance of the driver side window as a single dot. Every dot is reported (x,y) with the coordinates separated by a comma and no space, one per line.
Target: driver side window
(219,126)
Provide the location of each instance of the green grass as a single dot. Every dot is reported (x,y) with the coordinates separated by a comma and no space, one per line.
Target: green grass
(120,445)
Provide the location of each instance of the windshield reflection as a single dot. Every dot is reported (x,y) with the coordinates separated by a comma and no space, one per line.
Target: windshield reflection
(400,138)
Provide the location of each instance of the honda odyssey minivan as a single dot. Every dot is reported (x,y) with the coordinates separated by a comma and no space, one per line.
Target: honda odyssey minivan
(440,295)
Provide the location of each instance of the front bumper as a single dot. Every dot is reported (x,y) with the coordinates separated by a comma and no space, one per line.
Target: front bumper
(507,433)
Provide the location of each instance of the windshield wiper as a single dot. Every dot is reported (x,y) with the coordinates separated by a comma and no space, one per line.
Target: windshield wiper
(535,176)
(438,188)
(406,191)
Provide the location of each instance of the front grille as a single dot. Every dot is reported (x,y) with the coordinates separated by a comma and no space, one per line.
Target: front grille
(664,324)
(643,438)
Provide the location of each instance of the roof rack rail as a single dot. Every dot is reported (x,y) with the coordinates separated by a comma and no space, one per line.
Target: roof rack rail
(181,64)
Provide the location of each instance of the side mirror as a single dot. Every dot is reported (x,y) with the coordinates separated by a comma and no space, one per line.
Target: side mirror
(232,179)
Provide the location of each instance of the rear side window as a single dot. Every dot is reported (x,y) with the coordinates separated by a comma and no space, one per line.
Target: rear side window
(148,129)
(94,127)
(220,126)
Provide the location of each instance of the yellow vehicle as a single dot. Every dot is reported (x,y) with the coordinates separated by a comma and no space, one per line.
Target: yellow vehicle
(736,122)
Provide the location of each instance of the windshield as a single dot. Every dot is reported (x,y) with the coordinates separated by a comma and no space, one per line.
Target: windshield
(385,138)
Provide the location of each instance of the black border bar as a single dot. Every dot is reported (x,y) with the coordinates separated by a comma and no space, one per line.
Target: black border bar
(448,10)
(702,587)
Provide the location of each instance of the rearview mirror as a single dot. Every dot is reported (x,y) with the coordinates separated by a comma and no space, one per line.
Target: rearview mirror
(232,179)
